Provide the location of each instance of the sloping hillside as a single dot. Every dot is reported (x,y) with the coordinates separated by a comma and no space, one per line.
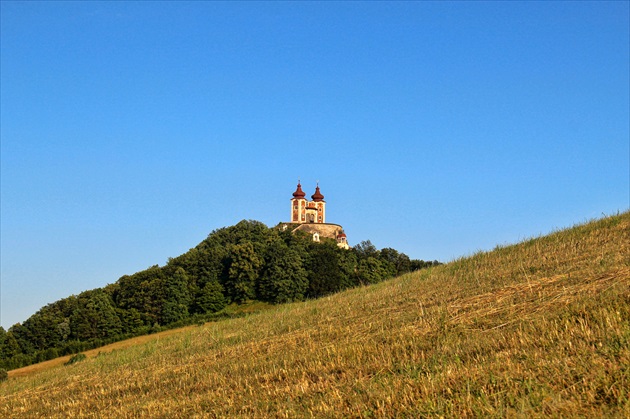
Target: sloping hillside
(538,328)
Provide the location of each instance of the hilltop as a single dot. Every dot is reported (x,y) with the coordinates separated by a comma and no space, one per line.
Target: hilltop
(537,328)
(235,265)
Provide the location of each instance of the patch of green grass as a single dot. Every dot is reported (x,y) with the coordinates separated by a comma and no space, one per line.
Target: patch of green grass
(76,358)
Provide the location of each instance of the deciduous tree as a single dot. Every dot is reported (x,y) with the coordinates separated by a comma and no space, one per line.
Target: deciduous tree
(243,272)
(284,278)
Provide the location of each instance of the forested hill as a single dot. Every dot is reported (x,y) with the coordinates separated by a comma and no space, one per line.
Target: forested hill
(245,262)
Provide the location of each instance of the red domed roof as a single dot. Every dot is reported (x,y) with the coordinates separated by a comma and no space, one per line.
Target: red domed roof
(299,193)
(317,196)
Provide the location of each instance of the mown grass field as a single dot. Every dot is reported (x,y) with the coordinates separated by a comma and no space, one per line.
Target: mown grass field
(541,328)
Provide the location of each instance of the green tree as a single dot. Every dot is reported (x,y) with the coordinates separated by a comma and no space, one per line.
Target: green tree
(324,273)
(95,317)
(284,278)
(15,342)
(44,329)
(9,346)
(397,263)
(243,272)
(143,291)
(365,249)
(131,319)
(177,297)
(210,298)
(371,271)
(348,267)
(201,264)
(245,231)
(3,337)
(416,264)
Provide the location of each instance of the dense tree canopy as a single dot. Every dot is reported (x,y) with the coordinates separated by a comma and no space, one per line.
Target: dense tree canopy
(284,278)
(248,261)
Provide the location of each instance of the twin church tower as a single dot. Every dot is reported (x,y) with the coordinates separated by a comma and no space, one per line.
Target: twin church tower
(303,211)
(310,217)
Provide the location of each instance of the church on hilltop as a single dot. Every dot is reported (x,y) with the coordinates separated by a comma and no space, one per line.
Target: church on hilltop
(310,217)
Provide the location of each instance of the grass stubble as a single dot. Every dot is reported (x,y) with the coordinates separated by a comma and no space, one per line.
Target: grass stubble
(540,328)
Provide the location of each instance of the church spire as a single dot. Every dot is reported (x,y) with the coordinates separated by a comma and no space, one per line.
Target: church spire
(299,193)
(317,196)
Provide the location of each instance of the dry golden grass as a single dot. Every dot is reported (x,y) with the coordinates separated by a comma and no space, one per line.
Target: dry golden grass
(541,328)
(42,366)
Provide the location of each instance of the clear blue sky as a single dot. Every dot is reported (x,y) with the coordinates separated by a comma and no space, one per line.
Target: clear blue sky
(130,131)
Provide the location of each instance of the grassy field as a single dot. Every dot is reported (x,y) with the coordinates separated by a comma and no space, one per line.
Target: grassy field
(541,328)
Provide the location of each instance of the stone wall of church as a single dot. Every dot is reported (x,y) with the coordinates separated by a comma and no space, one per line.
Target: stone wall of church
(330,231)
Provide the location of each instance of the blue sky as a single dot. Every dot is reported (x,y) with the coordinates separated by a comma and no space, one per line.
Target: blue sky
(130,131)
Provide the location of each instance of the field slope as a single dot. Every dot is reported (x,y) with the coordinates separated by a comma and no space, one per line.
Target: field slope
(541,328)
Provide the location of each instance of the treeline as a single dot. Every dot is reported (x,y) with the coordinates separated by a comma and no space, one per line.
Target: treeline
(245,262)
